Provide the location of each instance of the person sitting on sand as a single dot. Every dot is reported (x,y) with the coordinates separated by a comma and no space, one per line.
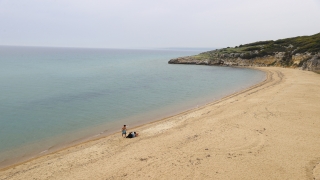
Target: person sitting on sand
(132,135)
(135,134)
(124,130)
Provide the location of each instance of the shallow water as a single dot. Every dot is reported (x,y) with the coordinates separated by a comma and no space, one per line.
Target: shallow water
(55,96)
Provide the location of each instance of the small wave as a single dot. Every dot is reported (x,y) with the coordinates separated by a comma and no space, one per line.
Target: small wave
(96,135)
(43,151)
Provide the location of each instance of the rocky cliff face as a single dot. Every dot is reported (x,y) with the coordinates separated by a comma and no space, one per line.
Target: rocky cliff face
(312,64)
(304,61)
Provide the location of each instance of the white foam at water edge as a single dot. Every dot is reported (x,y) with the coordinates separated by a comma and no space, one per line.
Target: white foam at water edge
(96,135)
(43,151)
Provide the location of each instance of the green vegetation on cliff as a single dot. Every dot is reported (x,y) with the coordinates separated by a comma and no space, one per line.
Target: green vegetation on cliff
(302,52)
(292,46)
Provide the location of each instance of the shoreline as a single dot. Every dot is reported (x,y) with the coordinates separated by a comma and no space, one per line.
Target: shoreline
(267,131)
(106,133)
(57,148)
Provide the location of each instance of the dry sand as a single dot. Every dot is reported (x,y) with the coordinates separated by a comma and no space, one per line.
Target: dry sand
(270,131)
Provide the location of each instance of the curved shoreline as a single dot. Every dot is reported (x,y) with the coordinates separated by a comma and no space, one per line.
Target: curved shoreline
(104,134)
(80,142)
(260,132)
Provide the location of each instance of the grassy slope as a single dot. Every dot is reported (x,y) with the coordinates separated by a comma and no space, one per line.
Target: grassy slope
(300,44)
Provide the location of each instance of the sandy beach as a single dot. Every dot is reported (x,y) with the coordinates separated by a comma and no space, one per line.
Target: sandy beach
(269,131)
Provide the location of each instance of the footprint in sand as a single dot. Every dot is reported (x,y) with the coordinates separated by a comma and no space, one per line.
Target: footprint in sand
(228,139)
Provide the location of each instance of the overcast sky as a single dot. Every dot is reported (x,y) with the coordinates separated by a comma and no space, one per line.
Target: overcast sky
(154,23)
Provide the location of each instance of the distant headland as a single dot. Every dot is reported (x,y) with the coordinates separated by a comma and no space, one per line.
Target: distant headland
(298,52)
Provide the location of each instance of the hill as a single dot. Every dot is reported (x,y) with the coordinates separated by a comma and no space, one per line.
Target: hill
(297,52)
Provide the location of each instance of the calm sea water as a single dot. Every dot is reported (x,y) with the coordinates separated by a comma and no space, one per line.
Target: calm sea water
(54,96)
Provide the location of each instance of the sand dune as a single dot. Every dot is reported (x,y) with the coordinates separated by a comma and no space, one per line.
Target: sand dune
(269,131)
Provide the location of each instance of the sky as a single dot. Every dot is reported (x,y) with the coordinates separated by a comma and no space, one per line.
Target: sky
(154,23)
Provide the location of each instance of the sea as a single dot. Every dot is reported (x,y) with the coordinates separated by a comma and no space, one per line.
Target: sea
(54,97)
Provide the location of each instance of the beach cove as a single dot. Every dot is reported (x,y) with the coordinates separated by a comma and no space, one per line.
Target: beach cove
(269,131)
(53,98)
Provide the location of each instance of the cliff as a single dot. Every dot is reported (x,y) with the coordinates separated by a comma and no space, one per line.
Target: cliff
(299,52)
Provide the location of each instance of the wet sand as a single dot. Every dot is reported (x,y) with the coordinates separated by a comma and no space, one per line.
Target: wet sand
(269,131)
